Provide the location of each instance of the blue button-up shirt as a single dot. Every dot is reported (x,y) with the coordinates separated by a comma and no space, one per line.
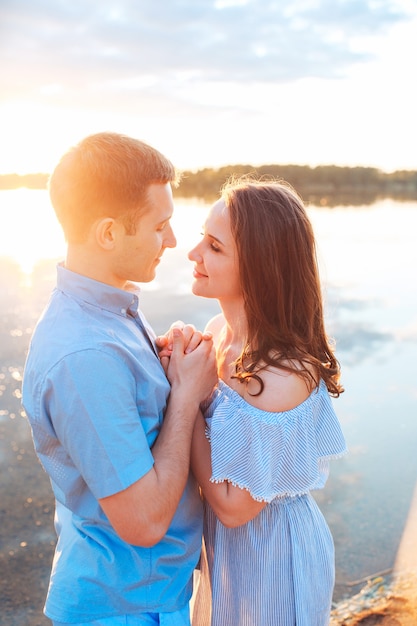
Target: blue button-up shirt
(95,395)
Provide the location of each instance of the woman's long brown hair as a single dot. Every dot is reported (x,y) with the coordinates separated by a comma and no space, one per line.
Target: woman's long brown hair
(280,282)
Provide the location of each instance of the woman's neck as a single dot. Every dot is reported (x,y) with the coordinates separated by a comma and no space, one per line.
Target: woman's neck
(235,328)
(232,338)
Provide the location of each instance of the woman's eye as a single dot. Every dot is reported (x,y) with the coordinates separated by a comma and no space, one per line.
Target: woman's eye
(213,245)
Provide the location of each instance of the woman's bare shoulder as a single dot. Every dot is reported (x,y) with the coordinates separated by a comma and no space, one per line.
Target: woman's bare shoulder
(282,391)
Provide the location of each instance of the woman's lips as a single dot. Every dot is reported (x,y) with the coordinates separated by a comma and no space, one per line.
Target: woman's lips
(198,274)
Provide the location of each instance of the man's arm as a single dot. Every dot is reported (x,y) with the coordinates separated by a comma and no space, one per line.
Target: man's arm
(142,513)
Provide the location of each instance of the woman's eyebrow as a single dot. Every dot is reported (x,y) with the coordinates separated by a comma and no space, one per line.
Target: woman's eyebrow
(215,238)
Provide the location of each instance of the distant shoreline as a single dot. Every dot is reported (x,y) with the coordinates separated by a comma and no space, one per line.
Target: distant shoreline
(324,185)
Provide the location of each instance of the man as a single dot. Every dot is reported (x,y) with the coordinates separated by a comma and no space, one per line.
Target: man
(113,434)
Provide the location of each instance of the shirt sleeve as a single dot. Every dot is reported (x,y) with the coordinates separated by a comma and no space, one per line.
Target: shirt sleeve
(96,434)
(272,454)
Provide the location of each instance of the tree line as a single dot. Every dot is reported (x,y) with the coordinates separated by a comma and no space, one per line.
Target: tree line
(324,184)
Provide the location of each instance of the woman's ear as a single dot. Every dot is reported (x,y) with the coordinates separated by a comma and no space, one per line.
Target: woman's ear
(106,232)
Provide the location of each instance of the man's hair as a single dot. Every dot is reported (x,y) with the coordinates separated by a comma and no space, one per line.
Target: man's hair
(106,175)
(280,281)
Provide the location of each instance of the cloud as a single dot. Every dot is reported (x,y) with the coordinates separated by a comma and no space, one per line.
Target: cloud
(87,50)
(210,82)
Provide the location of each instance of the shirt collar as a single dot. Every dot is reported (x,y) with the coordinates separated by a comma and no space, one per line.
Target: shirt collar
(118,301)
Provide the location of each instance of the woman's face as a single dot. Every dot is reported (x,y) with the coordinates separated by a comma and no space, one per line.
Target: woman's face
(216,271)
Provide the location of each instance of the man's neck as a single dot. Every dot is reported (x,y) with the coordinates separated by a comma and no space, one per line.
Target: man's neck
(81,261)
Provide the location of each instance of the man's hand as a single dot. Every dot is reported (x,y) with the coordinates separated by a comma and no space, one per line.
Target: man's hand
(193,370)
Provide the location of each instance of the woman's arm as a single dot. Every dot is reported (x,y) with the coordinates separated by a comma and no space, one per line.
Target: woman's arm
(232,505)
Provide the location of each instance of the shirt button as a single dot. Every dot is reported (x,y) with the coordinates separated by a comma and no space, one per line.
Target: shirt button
(123,311)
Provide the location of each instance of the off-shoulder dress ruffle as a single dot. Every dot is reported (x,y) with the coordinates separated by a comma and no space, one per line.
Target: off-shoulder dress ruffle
(272,454)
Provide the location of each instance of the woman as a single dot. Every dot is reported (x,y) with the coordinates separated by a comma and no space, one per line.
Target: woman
(269,428)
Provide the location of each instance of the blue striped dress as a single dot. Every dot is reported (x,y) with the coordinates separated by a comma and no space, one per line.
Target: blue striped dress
(278,569)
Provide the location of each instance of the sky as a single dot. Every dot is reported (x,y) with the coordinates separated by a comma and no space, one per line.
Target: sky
(211,82)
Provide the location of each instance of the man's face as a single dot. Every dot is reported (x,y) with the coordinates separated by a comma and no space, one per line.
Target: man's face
(139,254)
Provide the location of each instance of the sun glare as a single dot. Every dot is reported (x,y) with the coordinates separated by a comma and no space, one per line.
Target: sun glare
(30,231)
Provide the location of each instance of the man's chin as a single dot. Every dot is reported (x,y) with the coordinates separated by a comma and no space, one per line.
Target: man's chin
(147,279)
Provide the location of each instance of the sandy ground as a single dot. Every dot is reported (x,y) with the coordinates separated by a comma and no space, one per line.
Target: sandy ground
(395,605)
(27,536)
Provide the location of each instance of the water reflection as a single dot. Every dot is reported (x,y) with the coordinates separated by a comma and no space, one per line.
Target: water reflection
(358,342)
(368,258)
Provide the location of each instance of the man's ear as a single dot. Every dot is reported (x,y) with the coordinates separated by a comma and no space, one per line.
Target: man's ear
(106,232)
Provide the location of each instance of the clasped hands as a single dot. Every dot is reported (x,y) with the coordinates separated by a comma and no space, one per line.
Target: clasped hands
(192,339)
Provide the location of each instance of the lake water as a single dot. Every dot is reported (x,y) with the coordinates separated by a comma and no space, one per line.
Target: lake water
(368,258)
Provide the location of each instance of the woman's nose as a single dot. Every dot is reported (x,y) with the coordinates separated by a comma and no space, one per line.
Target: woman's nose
(194,255)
